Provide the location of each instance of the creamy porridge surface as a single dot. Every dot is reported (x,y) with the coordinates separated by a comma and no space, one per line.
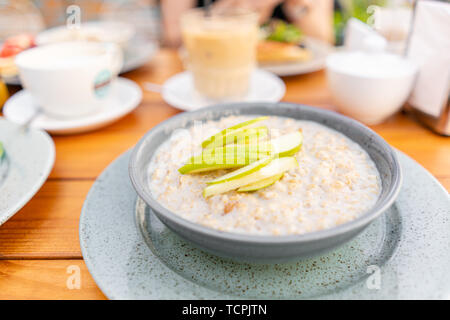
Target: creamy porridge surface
(335,182)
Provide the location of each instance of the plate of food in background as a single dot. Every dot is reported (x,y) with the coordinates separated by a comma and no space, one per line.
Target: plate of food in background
(285,51)
(11,47)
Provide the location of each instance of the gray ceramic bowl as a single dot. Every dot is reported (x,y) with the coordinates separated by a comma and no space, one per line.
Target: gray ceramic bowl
(256,248)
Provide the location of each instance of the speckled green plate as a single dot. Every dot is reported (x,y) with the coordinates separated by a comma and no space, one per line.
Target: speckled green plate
(404,254)
(28,159)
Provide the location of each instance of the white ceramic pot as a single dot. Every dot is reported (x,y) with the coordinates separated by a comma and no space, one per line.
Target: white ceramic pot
(369,87)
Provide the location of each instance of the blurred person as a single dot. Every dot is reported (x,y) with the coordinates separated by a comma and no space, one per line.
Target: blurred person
(314,17)
(19,17)
(171,11)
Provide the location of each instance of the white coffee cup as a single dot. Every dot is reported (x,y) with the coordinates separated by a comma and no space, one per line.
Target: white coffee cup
(70,79)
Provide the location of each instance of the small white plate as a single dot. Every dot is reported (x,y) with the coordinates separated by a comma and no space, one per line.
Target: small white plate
(28,160)
(179,91)
(320,50)
(125,97)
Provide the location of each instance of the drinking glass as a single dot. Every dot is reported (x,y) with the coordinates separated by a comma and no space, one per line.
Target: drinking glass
(221,50)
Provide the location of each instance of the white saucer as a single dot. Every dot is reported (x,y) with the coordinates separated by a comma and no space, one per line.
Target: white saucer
(320,50)
(125,97)
(179,92)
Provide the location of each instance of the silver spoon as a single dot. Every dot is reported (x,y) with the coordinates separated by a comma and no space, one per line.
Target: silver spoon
(154,87)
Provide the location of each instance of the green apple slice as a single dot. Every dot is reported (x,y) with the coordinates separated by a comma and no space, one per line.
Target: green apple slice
(276,166)
(288,144)
(248,123)
(203,166)
(242,171)
(262,148)
(240,126)
(239,136)
(231,156)
(261,184)
(209,162)
(2,151)
(285,145)
(254,151)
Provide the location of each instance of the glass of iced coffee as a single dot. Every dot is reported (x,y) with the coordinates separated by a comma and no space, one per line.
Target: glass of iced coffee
(221,50)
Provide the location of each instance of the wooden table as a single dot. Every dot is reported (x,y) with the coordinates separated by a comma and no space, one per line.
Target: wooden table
(40,243)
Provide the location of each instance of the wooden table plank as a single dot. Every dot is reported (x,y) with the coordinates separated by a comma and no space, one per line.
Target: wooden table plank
(430,150)
(445,181)
(46,279)
(47,227)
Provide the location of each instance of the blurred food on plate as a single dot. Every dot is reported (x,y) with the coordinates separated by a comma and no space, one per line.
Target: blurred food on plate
(281,31)
(16,44)
(8,51)
(270,52)
(281,42)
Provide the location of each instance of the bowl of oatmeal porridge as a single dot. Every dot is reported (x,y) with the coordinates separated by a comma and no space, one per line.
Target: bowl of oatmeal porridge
(302,180)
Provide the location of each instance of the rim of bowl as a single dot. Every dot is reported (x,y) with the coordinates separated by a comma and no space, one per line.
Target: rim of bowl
(24,55)
(330,63)
(357,223)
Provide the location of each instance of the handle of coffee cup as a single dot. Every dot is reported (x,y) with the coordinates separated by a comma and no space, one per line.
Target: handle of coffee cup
(116,58)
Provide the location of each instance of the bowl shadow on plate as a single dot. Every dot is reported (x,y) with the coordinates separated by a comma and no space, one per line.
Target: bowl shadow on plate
(344,266)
